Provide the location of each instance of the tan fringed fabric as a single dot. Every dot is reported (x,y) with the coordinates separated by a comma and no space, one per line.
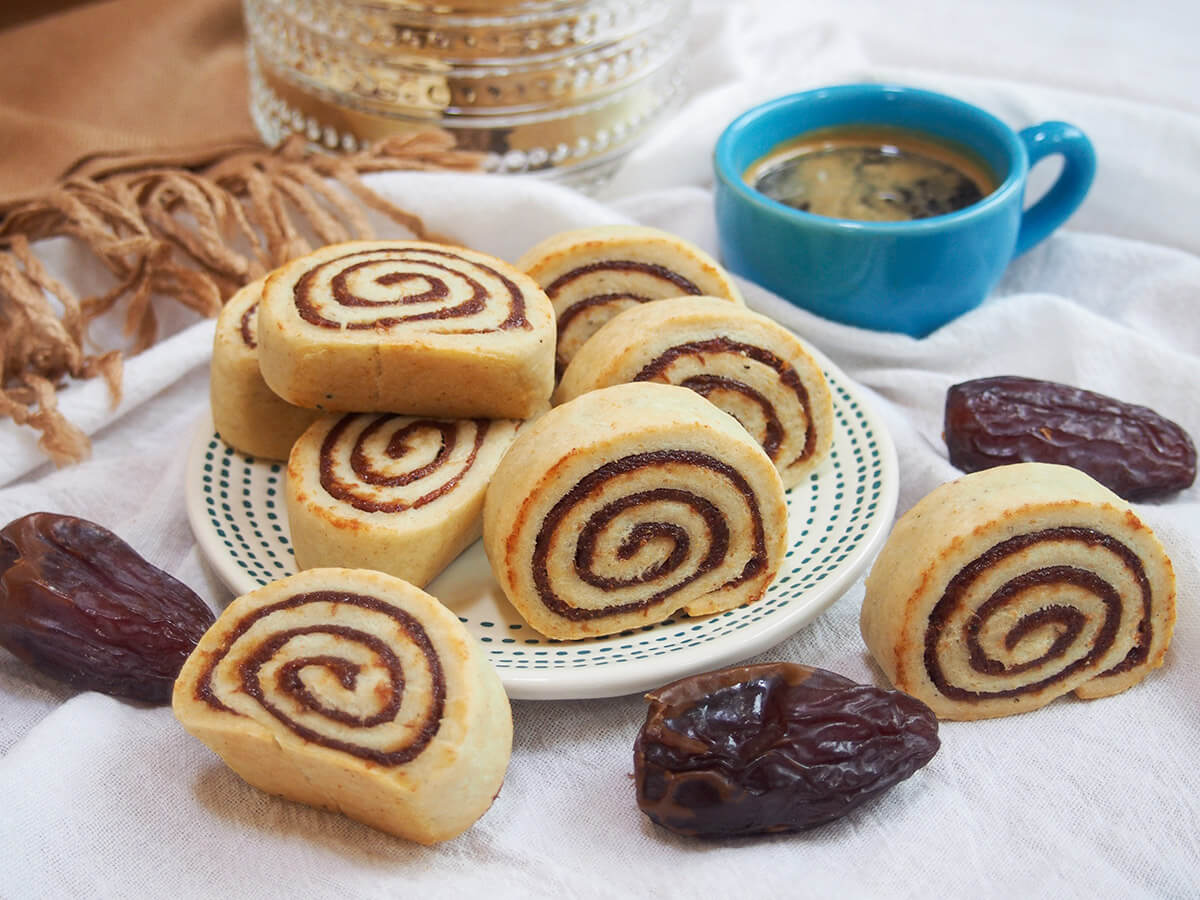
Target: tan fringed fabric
(134,76)
(189,227)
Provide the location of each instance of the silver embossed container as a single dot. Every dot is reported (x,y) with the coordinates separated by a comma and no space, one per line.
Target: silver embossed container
(562,88)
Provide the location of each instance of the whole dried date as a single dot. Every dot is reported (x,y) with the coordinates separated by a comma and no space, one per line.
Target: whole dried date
(773,747)
(79,604)
(1131,450)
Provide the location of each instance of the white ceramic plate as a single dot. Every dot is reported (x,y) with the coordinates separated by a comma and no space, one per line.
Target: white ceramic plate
(838,520)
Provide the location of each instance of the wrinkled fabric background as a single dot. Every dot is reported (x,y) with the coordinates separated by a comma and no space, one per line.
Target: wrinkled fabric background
(105,798)
(125,76)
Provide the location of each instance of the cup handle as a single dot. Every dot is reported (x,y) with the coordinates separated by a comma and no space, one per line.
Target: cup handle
(1065,195)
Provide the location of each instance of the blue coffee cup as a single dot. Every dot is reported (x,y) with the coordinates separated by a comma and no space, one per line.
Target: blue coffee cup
(911,276)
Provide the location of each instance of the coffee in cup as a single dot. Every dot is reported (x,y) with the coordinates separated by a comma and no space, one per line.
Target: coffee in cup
(872,173)
(911,275)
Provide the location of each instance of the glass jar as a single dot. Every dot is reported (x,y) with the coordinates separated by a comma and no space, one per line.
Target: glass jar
(562,88)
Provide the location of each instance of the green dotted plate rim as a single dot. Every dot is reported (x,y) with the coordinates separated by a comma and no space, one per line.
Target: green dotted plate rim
(838,519)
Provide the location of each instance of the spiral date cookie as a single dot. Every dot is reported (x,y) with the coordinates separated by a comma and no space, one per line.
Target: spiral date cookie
(356,692)
(407,327)
(399,494)
(247,414)
(748,365)
(630,503)
(591,274)
(1010,587)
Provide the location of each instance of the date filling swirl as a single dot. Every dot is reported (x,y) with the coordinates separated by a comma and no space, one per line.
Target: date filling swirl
(378,289)
(726,375)
(999,620)
(389,464)
(587,289)
(248,326)
(286,655)
(640,519)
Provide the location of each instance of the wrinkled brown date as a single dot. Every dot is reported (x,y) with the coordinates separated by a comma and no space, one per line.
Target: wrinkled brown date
(1131,450)
(77,603)
(773,747)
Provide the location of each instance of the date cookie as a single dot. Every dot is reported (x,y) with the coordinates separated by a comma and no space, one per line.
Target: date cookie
(628,504)
(407,327)
(1010,587)
(355,692)
(591,274)
(748,365)
(399,494)
(247,414)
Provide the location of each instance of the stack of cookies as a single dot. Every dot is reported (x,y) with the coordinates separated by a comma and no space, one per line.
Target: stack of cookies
(392,376)
(395,376)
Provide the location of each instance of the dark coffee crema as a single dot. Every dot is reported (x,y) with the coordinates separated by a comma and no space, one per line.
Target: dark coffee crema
(475,281)
(665,572)
(287,680)
(399,444)
(1069,621)
(872,173)
(709,384)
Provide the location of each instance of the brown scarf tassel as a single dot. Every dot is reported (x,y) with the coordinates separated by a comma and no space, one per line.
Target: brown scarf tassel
(192,227)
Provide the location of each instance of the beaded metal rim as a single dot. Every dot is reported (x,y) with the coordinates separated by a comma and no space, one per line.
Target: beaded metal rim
(614,125)
(838,519)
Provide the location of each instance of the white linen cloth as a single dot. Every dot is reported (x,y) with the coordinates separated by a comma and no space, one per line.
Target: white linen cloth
(100,797)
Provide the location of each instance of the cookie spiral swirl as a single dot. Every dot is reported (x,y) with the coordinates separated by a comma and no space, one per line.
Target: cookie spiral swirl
(438,288)
(583,299)
(629,504)
(248,324)
(1085,617)
(393,463)
(612,524)
(1046,583)
(398,494)
(744,363)
(392,691)
(354,691)
(593,274)
(715,385)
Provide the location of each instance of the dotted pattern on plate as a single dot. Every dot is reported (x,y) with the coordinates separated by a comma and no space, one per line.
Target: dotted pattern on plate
(830,516)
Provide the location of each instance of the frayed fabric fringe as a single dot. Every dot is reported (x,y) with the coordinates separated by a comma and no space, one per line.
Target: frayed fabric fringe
(188,227)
